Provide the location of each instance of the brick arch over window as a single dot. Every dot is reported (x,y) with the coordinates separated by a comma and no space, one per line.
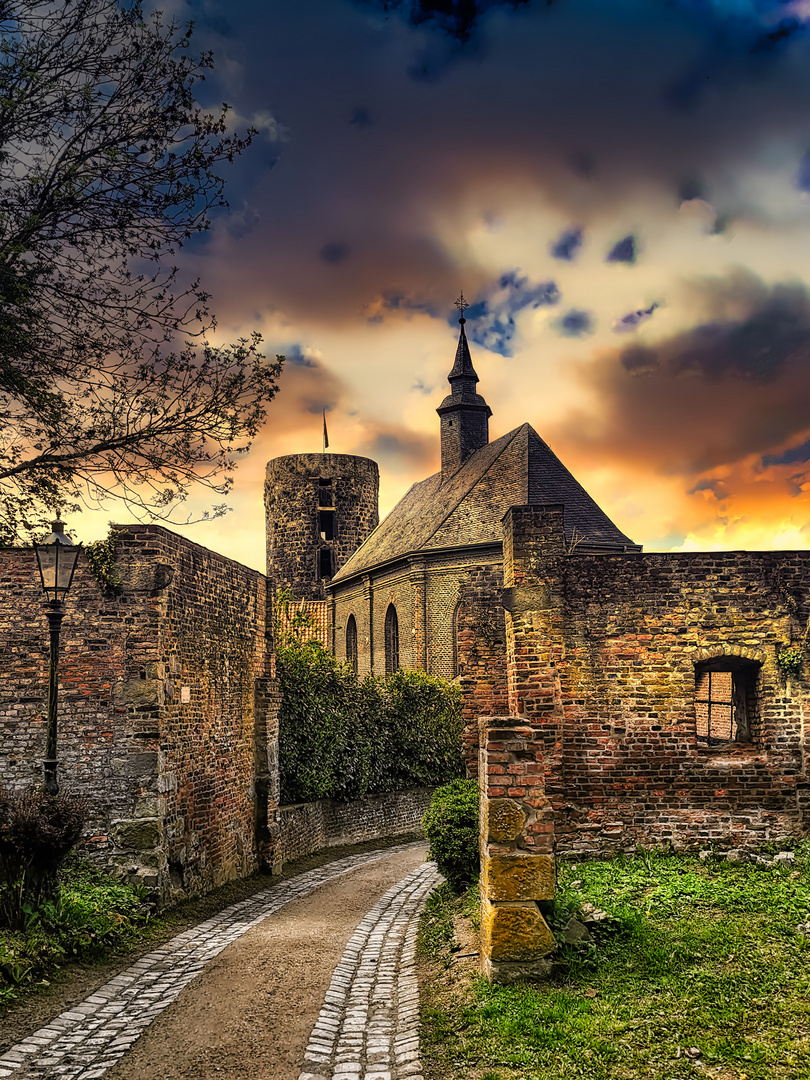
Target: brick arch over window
(731,652)
(351,642)
(391,640)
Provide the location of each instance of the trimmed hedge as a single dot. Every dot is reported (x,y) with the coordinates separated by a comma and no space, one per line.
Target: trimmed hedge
(342,738)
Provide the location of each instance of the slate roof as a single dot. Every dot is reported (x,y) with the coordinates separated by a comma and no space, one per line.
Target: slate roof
(468,507)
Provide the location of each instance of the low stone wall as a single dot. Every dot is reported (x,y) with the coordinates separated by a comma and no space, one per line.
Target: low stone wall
(307,827)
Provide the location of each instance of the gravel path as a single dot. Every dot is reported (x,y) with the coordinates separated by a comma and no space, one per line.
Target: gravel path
(158,1016)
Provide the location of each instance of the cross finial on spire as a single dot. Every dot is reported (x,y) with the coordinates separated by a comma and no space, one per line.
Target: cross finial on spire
(462,306)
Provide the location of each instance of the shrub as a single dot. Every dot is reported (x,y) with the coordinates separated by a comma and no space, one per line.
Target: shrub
(342,738)
(37,830)
(451,827)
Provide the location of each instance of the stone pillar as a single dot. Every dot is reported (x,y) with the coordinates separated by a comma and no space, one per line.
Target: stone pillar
(517,853)
(266,774)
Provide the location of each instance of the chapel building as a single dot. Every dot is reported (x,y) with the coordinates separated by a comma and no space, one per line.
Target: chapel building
(424,589)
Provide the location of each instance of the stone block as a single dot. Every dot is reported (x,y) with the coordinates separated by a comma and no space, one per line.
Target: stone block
(505,820)
(142,764)
(510,878)
(515,932)
(140,834)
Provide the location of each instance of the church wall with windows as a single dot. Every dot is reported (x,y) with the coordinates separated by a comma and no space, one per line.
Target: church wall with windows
(658,709)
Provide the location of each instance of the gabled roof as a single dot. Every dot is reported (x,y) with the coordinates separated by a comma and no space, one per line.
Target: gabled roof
(468,507)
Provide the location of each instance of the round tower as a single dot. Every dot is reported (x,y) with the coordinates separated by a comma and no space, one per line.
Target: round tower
(319,508)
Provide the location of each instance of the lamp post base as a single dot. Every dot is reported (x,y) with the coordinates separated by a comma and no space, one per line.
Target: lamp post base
(49,771)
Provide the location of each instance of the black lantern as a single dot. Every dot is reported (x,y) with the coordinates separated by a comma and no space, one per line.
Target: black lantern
(56,558)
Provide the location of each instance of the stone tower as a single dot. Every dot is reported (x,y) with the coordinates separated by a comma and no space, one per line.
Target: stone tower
(464,413)
(319,508)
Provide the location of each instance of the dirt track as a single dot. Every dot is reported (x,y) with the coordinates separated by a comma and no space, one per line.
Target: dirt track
(248,1015)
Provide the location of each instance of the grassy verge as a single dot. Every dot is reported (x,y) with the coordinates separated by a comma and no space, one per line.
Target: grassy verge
(703,971)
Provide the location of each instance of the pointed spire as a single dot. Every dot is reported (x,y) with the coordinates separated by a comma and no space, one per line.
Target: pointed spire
(463,367)
(464,413)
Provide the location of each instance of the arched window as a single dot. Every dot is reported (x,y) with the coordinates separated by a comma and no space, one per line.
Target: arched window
(725,701)
(391,640)
(351,642)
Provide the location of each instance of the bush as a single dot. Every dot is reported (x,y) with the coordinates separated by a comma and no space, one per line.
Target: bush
(343,738)
(37,830)
(89,914)
(451,826)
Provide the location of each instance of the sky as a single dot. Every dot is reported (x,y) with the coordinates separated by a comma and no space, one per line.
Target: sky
(622,192)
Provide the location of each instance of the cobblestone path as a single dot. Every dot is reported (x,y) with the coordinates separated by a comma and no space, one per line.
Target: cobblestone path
(367,1027)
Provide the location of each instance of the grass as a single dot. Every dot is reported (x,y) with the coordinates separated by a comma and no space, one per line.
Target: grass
(702,973)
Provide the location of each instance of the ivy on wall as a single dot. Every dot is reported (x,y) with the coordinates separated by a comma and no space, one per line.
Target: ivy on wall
(101,560)
(342,738)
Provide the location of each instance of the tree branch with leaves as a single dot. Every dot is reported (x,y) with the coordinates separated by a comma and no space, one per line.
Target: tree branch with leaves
(109,384)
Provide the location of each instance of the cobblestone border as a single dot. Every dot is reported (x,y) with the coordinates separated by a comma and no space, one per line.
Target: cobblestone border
(88,1039)
(368,1026)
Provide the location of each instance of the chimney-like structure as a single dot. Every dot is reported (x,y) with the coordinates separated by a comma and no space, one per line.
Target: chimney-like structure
(464,413)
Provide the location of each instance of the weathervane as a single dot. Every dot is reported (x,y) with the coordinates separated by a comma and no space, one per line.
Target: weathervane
(462,306)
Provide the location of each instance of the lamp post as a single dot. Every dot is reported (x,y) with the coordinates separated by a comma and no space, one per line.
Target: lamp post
(56,558)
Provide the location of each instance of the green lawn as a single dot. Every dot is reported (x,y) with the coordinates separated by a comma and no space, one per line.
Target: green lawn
(703,973)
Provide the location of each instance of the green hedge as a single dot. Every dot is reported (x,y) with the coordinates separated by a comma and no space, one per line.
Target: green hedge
(342,738)
(451,827)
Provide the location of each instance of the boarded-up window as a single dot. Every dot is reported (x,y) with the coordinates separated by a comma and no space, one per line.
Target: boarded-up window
(325,564)
(351,642)
(326,524)
(725,701)
(391,640)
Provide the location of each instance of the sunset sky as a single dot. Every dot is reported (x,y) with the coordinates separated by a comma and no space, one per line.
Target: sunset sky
(622,191)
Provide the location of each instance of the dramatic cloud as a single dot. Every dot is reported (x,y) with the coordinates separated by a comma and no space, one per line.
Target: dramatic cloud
(736,387)
(491,318)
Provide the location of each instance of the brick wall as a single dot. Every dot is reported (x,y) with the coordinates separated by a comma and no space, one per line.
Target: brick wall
(602,657)
(171,783)
(308,827)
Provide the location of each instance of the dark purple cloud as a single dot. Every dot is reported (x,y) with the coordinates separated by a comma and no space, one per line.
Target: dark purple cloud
(575,323)
(336,251)
(633,319)
(567,245)
(624,251)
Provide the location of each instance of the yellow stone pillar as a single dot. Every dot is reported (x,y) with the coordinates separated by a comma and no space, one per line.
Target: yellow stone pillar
(517,860)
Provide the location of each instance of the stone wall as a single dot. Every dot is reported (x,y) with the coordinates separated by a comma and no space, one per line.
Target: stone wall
(603,652)
(167,715)
(300,491)
(308,827)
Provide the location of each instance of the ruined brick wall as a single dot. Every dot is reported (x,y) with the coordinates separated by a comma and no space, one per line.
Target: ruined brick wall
(170,782)
(296,506)
(602,664)
(480,647)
